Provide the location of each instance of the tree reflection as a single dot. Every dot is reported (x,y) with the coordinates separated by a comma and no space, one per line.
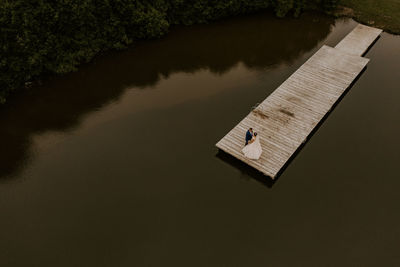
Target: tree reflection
(259,42)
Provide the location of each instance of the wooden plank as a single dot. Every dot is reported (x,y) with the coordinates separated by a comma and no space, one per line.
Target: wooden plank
(359,40)
(286,118)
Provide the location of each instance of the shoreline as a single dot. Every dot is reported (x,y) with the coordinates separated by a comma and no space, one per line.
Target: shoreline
(363,14)
(344,11)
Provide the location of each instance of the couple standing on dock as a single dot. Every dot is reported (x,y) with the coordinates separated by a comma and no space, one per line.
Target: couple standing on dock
(252,149)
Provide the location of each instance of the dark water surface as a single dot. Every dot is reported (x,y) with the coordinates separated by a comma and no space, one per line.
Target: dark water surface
(115,165)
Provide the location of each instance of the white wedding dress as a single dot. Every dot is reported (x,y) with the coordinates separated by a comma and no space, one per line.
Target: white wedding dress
(253,150)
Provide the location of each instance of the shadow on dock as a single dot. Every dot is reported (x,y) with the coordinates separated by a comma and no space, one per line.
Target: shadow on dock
(246,169)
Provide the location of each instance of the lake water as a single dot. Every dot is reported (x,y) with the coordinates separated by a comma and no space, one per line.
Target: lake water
(115,165)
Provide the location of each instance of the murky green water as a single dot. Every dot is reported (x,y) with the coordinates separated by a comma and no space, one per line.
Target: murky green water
(115,165)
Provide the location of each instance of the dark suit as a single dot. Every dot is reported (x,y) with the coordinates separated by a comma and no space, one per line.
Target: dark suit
(249,136)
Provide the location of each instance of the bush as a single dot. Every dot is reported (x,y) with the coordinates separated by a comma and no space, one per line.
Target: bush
(55,36)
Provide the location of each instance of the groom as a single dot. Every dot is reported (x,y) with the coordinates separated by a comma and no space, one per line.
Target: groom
(249,135)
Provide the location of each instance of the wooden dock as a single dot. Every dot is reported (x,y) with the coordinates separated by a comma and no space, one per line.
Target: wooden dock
(287,117)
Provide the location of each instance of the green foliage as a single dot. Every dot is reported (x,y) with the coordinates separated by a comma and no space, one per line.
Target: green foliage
(201,11)
(330,5)
(55,36)
(384,14)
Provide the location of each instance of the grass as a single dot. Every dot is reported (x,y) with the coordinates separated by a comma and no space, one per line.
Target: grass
(384,14)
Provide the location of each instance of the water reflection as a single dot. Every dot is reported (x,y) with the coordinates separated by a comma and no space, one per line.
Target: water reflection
(259,42)
(245,170)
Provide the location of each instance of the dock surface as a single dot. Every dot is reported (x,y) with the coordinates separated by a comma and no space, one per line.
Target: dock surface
(286,118)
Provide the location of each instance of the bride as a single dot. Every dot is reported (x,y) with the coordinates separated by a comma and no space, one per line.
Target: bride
(253,150)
